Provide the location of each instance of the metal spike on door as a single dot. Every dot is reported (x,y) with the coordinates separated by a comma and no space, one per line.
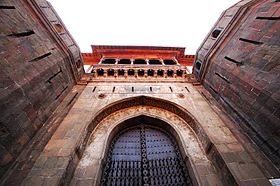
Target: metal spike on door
(144,156)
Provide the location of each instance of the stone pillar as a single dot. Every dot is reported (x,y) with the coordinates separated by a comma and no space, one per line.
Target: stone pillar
(155,73)
(136,73)
(125,73)
(183,73)
(100,62)
(174,73)
(147,61)
(165,73)
(105,72)
(116,73)
(94,74)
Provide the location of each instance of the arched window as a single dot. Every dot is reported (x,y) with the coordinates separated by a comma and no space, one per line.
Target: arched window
(100,72)
(151,72)
(170,73)
(141,72)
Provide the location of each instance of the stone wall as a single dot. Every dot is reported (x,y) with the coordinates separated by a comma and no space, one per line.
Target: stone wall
(39,64)
(239,64)
(99,101)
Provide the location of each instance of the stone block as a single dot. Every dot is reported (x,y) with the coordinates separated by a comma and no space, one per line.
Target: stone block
(36,180)
(5,156)
(245,171)
(52,181)
(212,180)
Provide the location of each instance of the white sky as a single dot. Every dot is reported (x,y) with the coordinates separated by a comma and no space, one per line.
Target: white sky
(177,23)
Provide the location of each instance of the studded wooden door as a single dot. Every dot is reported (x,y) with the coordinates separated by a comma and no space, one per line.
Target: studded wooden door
(144,156)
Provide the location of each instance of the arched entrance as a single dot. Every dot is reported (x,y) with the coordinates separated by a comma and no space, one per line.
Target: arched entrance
(144,155)
(115,120)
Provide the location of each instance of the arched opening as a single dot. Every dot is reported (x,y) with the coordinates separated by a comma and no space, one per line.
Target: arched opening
(144,155)
(170,73)
(120,72)
(150,72)
(100,72)
(179,73)
(160,72)
(110,72)
(121,115)
(130,72)
(140,72)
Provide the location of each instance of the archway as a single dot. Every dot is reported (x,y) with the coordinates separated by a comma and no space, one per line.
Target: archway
(93,162)
(144,155)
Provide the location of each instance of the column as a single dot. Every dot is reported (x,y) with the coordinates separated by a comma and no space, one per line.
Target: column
(105,72)
(165,73)
(125,73)
(155,73)
(145,73)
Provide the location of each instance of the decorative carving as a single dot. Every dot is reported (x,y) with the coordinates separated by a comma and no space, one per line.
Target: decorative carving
(180,95)
(101,96)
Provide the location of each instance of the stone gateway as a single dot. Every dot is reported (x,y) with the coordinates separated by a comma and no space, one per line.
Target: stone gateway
(139,115)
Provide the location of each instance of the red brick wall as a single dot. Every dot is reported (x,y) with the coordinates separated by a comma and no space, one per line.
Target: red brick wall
(39,65)
(247,83)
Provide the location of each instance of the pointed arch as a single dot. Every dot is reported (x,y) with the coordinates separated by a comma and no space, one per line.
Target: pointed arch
(173,118)
(154,102)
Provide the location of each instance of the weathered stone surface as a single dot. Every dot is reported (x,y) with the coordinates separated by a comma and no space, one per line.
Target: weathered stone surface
(27,158)
(36,73)
(41,63)
(91,113)
(241,69)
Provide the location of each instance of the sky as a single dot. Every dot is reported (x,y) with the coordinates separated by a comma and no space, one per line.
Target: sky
(173,23)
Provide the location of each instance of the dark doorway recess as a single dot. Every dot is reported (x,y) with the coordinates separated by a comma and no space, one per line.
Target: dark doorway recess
(110,72)
(130,72)
(100,72)
(120,72)
(141,72)
(144,155)
(151,72)
(160,73)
